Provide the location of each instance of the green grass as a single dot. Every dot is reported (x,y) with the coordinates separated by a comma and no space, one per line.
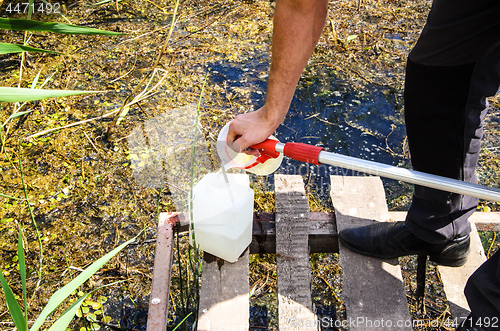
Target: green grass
(20,319)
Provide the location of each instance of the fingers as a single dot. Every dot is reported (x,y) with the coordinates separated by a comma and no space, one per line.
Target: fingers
(241,146)
(238,133)
(233,137)
(234,146)
(246,130)
(246,150)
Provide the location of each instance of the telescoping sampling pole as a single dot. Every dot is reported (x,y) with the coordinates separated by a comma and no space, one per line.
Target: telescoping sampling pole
(317,155)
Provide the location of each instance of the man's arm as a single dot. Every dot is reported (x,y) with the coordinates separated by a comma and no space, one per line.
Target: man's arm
(297,28)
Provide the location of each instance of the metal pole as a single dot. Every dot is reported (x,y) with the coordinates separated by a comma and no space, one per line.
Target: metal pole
(406,175)
(410,176)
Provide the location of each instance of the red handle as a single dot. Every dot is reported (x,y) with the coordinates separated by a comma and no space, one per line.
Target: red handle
(297,151)
(267,147)
(303,152)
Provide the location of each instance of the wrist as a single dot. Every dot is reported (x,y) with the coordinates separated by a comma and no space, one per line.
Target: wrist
(272,116)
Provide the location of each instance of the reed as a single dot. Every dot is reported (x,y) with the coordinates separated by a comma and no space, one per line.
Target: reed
(196,262)
(123,110)
(10,94)
(31,25)
(20,318)
(30,209)
(17,95)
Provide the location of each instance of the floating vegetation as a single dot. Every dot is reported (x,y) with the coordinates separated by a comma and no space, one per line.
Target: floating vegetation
(79,174)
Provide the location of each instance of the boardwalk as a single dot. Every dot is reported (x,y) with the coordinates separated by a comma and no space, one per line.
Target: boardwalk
(373,291)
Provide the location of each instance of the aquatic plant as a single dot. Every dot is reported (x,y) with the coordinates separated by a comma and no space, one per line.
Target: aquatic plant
(6,48)
(31,25)
(195,259)
(20,96)
(123,111)
(20,318)
(17,94)
(10,94)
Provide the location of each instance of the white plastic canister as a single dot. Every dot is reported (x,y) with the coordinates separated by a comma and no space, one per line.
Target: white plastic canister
(223,215)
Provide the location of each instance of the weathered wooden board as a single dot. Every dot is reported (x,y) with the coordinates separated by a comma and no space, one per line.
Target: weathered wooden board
(322,233)
(224,295)
(372,289)
(454,279)
(323,236)
(158,302)
(487,221)
(292,255)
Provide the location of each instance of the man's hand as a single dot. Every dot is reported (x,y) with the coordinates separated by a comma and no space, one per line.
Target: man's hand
(250,129)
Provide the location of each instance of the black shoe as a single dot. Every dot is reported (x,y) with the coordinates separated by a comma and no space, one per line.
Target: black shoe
(471,323)
(387,240)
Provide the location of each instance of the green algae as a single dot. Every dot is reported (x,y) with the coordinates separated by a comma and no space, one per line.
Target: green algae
(81,182)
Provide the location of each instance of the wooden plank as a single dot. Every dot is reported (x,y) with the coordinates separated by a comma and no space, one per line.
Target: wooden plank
(322,233)
(292,255)
(484,221)
(372,288)
(158,303)
(323,236)
(454,279)
(224,295)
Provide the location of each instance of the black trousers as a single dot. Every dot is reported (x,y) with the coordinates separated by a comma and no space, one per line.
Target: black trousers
(452,69)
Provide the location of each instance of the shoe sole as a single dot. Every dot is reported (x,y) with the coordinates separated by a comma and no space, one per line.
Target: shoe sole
(439,260)
(448,262)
